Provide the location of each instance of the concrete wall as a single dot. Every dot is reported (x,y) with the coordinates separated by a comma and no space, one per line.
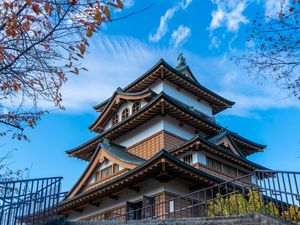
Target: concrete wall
(250,219)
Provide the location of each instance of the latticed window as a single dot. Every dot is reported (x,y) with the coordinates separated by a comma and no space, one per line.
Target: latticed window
(214,164)
(125,113)
(188,159)
(136,107)
(106,172)
(115,119)
(230,170)
(116,168)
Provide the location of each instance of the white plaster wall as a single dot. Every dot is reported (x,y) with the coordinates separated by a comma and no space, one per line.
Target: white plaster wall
(159,123)
(128,105)
(172,125)
(148,188)
(182,95)
(201,157)
(197,156)
(140,133)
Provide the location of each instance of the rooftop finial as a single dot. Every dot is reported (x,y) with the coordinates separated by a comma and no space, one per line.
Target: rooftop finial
(181,61)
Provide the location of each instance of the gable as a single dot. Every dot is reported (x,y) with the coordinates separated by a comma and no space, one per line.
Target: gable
(117,103)
(223,139)
(107,156)
(229,145)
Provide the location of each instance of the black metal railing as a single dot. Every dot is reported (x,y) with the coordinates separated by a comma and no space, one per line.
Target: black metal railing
(272,193)
(29,201)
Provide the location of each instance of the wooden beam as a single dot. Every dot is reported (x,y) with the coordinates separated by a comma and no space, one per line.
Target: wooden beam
(136,189)
(78,210)
(162,75)
(162,107)
(115,197)
(96,204)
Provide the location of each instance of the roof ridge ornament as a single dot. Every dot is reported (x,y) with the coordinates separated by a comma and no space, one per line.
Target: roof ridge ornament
(181,62)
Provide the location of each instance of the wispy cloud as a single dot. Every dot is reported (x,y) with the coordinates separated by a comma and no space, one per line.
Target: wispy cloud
(272,7)
(229,13)
(215,42)
(112,61)
(169,14)
(180,35)
(115,61)
(224,77)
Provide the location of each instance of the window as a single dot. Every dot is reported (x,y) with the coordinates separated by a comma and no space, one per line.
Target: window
(125,113)
(171,206)
(230,171)
(106,172)
(214,164)
(116,168)
(246,178)
(188,159)
(115,119)
(98,175)
(136,107)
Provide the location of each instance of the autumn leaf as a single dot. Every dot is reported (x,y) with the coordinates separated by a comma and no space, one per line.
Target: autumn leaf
(11,32)
(120,4)
(107,13)
(89,32)
(97,16)
(81,48)
(76,71)
(36,9)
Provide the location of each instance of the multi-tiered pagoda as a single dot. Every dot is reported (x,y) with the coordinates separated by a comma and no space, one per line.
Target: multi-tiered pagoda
(157,139)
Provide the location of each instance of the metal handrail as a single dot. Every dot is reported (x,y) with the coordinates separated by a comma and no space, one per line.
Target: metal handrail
(273,193)
(29,201)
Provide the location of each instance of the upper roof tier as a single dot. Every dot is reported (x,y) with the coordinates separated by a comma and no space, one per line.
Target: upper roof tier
(165,104)
(182,77)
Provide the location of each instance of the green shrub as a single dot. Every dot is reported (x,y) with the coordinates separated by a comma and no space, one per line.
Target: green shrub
(237,204)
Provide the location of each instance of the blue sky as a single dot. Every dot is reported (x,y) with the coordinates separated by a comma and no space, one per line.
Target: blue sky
(208,33)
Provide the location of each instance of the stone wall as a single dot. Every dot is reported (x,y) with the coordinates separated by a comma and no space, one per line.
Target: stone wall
(252,219)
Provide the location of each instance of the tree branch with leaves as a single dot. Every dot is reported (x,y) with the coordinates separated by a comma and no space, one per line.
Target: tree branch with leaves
(273,47)
(41,44)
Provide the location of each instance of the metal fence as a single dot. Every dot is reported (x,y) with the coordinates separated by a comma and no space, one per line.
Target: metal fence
(29,201)
(273,193)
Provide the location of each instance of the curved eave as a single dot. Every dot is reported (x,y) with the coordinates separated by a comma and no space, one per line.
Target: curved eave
(153,107)
(144,94)
(219,150)
(211,96)
(245,141)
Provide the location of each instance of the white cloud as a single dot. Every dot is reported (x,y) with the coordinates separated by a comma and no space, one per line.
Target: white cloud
(272,7)
(180,35)
(224,77)
(115,61)
(229,14)
(163,25)
(128,3)
(112,62)
(236,17)
(215,42)
(217,18)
